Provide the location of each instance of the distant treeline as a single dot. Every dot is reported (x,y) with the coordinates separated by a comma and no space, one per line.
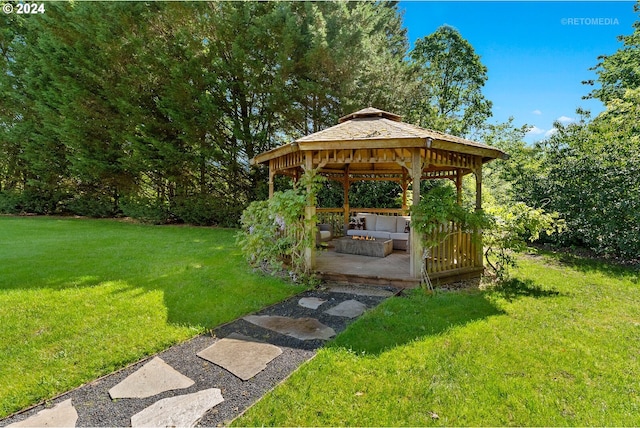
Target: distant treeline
(153,109)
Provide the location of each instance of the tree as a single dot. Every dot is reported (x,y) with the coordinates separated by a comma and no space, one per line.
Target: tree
(619,71)
(36,162)
(513,179)
(381,68)
(154,110)
(592,168)
(10,109)
(451,76)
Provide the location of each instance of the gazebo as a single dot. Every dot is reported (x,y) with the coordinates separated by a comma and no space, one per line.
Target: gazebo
(372,144)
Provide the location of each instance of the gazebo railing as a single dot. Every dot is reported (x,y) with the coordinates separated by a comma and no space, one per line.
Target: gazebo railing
(383,211)
(333,217)
(457,250)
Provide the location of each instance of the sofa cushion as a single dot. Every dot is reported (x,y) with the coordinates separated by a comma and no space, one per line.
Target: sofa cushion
(399,236)
(402,223)
(379,234)
(386,223)
(370,220)
(325,234)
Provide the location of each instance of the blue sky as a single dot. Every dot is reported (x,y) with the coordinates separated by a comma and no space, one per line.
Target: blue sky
(537,53)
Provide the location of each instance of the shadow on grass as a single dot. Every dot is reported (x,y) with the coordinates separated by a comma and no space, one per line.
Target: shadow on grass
(513,289)
(594,265)
(399,321)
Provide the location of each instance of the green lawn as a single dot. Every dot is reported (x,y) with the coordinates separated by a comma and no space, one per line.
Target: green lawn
(558,346)
(82,298)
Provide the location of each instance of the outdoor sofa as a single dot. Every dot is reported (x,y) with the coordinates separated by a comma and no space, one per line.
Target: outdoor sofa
(382,226)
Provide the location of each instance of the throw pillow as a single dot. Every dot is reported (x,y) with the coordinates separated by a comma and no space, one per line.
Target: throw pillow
(353,221)
(407,226)
(362,225)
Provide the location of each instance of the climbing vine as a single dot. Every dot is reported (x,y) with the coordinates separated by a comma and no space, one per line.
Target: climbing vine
(438,207)
(506,230)
(275,234)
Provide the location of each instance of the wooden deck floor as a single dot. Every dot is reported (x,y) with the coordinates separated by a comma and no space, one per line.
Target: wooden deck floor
(392,270)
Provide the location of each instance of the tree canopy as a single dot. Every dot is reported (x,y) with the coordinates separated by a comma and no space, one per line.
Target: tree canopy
(153,109)
(450,77)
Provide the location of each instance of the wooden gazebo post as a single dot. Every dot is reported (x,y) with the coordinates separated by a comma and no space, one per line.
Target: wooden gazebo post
(346,183)
(479,250)
(309,215)
(405,186)
(415,261)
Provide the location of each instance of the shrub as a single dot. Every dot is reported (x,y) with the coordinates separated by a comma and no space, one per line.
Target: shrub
(273,233)
(10,202)
(206,210)
(512,226)
(147,210)
(91,205)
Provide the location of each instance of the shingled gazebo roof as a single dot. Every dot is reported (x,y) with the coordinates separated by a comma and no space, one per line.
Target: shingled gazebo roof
(371,128)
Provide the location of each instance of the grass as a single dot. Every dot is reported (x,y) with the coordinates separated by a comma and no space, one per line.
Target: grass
(82,298)
(559,345)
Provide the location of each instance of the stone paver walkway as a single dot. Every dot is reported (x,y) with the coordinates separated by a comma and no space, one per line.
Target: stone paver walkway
(62,414)
(151,379)
(348,308)
(243,356)
(180,411)
(300,328)
(210,380)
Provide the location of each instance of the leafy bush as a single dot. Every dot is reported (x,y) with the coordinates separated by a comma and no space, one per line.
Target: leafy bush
(144,209)
(511,226)
(91,205)
(205,210)
(438,206)
(505,229)
(10,202)
(40,201)
(197,210)
(378,194)
(274,233)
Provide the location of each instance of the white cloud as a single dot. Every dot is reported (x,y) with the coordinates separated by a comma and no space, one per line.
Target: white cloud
(537,112)
(550,132)
(535,131)
(565,119)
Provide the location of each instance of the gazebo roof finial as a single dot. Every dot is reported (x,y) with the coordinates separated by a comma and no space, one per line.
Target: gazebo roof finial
(370,112)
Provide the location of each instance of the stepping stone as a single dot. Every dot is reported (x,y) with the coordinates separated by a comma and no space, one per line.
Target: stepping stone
(300,328)
(153,378)
(62,414)
(181,411)
(348,309)
(243,356)
(360,291)
(311,302)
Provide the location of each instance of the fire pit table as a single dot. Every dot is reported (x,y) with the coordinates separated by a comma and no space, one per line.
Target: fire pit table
(372,248)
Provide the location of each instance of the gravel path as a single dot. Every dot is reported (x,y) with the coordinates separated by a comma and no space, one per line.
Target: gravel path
(95,407)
